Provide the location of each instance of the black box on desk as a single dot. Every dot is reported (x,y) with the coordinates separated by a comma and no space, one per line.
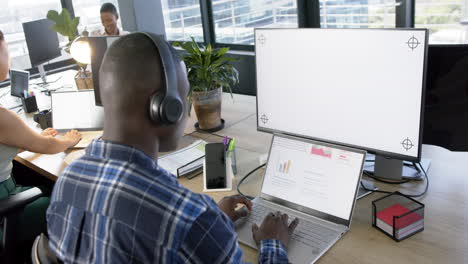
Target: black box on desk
(398,216)
(29,104)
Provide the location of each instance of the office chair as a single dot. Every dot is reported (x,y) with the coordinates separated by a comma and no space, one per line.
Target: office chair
(10,210)
(40,253)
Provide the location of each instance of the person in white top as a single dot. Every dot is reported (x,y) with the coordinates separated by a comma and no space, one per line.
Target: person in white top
(4,58)
(109,18)
(15,136)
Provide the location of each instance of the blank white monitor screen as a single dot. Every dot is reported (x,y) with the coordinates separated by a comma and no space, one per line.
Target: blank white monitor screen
(76,110)
(358,87)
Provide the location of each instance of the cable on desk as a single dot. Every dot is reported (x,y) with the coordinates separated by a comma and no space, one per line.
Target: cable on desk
(409,195)
(370,174)
(245,177)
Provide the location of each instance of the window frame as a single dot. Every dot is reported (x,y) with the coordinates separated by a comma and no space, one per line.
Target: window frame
(308,13)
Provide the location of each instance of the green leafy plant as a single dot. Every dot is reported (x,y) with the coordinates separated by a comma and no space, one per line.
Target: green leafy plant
(64,24)
(207,68)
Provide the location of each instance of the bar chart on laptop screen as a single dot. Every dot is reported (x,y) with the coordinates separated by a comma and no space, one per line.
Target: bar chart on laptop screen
(311,175)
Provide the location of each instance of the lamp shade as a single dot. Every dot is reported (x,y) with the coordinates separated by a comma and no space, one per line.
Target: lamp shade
(81,51)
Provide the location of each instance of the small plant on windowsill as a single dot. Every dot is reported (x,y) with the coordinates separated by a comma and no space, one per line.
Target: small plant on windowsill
(210,71)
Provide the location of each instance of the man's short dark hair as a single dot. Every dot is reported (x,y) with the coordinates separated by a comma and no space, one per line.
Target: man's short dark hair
(109,8)
(1,36)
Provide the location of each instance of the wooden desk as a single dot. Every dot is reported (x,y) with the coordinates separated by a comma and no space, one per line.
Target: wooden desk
(444,240)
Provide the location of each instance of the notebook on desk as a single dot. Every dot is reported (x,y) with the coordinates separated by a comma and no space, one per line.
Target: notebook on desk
(313,181)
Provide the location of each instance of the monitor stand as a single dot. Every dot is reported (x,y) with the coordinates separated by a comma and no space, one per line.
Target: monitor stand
(394,169)
(42,73)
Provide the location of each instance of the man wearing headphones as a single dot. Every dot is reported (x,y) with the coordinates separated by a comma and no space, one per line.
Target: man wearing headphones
(115,205)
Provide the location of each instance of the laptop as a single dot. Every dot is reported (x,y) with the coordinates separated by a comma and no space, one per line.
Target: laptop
(19,83)
(76,110)
(314,181)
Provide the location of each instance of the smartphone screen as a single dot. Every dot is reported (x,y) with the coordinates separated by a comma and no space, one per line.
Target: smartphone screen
(215,158)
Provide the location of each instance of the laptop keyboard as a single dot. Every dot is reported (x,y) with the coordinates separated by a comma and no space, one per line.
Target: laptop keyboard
(10,102)
(308,233)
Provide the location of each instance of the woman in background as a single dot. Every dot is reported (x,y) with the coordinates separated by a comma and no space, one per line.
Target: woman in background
(109,18)
(15,136)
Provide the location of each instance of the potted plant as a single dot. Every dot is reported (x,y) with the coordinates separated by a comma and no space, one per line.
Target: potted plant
(78,48)
(210,72)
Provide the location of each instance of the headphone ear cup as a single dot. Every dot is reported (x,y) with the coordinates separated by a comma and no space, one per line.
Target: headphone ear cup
(171,110)
(155,108)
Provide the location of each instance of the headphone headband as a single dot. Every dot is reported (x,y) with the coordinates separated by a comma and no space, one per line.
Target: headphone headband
(166,108)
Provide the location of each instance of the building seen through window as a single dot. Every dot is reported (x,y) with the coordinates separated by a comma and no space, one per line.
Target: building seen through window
(447,20)
(235,20)
(357,13)
(182,19)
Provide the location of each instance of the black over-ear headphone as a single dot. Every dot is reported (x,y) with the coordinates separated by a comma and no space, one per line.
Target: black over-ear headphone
(166,106)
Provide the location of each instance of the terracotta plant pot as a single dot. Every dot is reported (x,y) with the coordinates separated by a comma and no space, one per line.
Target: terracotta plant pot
(207,107)
(84,80)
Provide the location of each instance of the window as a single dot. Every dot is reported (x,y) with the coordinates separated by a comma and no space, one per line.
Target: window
(90,17)
(12,15)
(443,19)
(357,13)
(235,20)
(182,19)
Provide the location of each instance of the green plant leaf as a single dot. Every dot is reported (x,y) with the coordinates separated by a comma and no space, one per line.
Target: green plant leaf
(208,68)
(64,24)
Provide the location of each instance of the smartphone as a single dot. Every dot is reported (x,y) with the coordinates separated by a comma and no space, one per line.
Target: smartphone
(215,159)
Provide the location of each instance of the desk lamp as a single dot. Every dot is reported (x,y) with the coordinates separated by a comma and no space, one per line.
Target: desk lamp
(81,52)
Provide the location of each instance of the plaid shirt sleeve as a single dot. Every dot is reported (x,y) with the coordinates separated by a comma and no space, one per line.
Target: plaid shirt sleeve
(272,251)
(212,239)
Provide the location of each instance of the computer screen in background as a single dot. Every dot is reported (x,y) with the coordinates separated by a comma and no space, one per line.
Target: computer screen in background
(43,43)
(446,108)
(362,88)
(99,47)
(19,82)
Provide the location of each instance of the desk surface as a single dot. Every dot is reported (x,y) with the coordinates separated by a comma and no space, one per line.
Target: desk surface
(444,240)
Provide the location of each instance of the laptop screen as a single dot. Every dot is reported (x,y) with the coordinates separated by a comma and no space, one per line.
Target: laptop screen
(315,175)
(76,110)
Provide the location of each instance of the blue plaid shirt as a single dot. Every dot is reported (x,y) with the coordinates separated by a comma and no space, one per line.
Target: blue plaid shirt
(115,205)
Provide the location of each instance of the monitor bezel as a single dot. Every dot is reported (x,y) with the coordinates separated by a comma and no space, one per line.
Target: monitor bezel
(384,153)
(101,44)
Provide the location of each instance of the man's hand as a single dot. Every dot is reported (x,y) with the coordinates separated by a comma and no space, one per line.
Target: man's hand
(49,132)
(228,206)
(274,226)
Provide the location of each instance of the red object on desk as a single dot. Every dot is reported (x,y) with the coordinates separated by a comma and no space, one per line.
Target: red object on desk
(387,215)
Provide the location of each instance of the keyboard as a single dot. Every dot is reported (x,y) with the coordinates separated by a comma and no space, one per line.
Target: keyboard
(308,233)
(9,101)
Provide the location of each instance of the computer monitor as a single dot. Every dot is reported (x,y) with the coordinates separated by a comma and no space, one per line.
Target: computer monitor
(361,88)
(43,43)
(446,109)
(98,47)
(19,82)
(76,110)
